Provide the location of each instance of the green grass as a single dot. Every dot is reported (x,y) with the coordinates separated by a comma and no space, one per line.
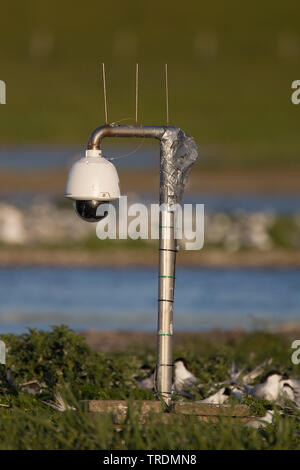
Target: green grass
(236,103)
(285,233)
(61,360)
(42,429)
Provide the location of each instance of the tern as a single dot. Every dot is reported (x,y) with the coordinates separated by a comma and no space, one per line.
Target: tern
(33,387)
(148,382)
(256,372)
(294,383)
(287,390)
(234,373)
(290,389)
(183,377)
(263,421)
(269,389)
(59,404)
(237,393)
(217,398)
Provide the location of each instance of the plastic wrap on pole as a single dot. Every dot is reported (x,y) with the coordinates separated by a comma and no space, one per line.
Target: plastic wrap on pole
(178,154)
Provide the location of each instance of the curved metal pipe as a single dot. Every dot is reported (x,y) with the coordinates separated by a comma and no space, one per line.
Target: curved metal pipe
(154,132)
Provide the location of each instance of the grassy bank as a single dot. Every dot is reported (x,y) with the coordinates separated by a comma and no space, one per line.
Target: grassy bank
(230,72)
(61,360)
(132,256)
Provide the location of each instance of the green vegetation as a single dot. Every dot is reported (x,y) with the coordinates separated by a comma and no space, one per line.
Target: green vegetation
(285,232)
(92,243)
(60,360)
(230,70)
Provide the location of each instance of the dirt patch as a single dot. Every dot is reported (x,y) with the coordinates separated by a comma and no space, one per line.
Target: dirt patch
(114,340)
(217,180)
(122,258)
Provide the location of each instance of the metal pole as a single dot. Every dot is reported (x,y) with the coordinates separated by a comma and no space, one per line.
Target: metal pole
(167,258)
(166,285)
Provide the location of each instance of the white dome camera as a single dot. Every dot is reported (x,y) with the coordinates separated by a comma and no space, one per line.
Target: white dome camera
(92,181)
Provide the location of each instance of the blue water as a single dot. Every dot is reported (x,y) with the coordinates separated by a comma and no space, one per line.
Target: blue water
(126,299)
(279,203)
(39,158)
(142,156)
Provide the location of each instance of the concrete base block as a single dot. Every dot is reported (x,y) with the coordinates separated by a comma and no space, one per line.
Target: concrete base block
(179,411)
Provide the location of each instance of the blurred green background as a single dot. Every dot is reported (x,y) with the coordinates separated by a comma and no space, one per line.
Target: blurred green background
(231,65)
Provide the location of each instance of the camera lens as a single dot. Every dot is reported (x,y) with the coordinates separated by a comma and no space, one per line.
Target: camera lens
(87,210)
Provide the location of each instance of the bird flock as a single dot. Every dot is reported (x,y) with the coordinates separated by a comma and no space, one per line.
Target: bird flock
(274,387)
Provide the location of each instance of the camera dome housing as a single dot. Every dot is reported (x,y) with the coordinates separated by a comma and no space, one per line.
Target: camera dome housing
(88,210)
(93,178)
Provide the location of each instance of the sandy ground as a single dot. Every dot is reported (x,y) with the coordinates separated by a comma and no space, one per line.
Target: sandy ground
(11,256)
(106,341)
(218,180)
(114,340)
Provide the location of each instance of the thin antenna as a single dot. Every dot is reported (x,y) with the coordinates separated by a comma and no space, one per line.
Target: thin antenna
(104,91)
(136,93)
(167,93)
